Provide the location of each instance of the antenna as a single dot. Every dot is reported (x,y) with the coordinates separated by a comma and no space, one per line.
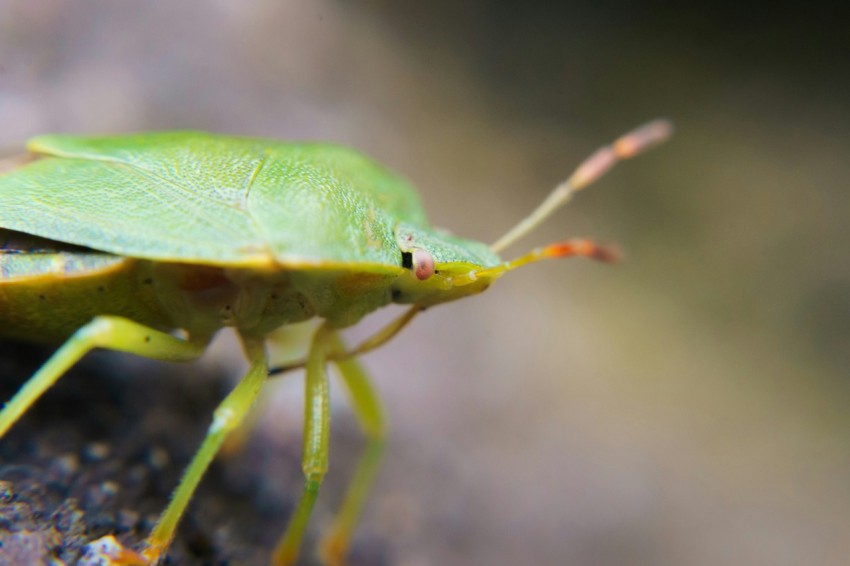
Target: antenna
(591,169)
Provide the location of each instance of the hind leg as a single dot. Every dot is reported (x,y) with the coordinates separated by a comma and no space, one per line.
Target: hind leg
(227,417)
(111,333)
(370,415)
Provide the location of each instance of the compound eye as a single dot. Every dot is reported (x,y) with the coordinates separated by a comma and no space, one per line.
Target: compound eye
(422,264)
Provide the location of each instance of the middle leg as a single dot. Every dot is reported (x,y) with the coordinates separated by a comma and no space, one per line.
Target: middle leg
(316,434)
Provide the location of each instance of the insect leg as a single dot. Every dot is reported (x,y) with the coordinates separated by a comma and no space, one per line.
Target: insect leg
(375,341)
(110,332)
(228,416)
(314,461)
(286,342)
(370,414)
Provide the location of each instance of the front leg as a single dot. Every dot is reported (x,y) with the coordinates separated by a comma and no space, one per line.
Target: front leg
(316,434)
(370,414)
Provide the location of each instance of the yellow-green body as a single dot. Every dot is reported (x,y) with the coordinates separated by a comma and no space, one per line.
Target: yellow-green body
(46,296)
(119,242)
(151,243)
(199,231)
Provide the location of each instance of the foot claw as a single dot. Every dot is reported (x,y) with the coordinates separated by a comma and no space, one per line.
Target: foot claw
(333,551)
(107,551)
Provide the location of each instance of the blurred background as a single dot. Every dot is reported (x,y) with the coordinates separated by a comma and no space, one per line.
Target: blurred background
(688,406)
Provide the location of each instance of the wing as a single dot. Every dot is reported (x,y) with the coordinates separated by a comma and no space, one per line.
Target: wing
(25,257)
(211,199)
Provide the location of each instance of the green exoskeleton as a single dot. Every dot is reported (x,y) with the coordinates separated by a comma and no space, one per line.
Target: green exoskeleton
(151,243)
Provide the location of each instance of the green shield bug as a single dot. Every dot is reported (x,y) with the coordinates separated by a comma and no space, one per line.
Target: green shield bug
(151,243)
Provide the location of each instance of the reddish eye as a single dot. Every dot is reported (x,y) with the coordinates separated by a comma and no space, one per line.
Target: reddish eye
(423,264)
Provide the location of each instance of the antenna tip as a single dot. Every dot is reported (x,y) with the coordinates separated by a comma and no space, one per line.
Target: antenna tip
(586,248)
(643,138)
(609,254)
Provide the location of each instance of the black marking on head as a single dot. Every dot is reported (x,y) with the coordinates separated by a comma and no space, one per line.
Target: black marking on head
(407,260)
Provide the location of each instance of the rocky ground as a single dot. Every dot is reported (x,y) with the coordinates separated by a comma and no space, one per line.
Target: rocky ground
(100,453)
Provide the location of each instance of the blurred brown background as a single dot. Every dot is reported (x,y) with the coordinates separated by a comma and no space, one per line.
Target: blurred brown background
(688,406)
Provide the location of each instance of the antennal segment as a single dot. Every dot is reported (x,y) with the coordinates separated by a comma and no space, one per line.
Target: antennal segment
(577,247)
(600,162)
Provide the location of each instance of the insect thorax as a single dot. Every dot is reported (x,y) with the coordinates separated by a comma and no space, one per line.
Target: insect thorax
(202,299)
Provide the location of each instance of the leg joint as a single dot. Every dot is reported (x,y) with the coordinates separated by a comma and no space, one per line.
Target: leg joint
(95,331)
(223,420)
(314,475)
